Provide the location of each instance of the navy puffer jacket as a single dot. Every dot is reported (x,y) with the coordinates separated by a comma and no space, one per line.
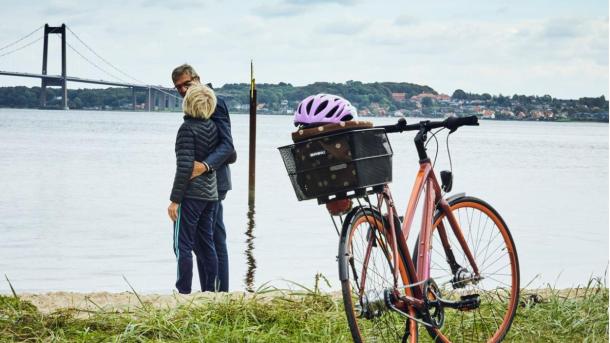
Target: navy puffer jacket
(195,140)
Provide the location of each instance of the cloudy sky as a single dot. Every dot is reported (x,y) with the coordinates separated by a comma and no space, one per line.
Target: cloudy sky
(520,46)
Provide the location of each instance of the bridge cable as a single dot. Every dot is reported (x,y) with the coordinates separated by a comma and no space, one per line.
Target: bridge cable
(94,64)
(20,39)
(110,74)
(117,69)
(100,57)
(20,48)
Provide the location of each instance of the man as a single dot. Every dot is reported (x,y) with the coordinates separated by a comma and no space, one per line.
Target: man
(183,77)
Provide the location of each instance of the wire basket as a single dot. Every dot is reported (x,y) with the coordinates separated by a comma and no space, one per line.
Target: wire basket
(340,165)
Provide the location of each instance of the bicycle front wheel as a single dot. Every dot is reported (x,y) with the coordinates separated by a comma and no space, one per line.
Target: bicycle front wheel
(366,269)
(497,285)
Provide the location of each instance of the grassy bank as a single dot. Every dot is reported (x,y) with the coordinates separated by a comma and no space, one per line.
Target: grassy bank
(576,315)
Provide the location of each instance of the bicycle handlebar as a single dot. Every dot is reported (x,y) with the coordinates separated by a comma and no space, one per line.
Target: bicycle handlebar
(451,123)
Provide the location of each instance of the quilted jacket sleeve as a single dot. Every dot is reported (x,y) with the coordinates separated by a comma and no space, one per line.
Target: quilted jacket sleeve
(225,149)
(185,158)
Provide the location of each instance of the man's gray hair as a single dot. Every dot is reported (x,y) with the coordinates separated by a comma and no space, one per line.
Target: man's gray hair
(184,69)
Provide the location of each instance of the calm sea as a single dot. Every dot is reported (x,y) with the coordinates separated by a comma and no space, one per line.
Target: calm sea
(84,197)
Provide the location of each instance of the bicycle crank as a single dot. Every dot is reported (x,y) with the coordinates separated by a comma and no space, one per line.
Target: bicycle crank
(466,303)
(433,311)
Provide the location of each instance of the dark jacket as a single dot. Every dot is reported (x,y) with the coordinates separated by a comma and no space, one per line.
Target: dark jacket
(225,151)
(195,140)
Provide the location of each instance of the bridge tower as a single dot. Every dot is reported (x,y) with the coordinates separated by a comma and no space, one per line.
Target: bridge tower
(61,81)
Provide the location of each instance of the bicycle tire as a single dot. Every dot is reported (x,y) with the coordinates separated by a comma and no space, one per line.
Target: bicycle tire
(498,291)
(361,224)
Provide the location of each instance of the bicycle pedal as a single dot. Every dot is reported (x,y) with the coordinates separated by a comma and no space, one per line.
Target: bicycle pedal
(469,302)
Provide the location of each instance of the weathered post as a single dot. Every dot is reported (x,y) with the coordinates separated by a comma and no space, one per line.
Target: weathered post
(251,261)
(252,150)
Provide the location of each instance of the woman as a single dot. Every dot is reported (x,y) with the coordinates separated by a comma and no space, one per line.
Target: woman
(194,201)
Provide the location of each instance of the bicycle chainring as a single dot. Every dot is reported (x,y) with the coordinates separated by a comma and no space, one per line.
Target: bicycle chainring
(434,312)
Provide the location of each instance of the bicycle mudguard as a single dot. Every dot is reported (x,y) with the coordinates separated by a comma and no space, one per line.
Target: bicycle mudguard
(449,200)
(455,196)
(343,254)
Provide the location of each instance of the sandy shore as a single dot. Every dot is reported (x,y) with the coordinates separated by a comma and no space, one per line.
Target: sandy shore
(127,301)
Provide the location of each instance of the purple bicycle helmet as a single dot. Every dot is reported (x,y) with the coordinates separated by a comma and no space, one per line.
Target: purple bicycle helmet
(324,108)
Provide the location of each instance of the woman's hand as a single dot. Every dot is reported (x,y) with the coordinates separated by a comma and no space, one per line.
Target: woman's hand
(198,169)
(172,211)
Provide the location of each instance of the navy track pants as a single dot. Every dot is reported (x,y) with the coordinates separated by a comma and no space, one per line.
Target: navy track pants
(194,232)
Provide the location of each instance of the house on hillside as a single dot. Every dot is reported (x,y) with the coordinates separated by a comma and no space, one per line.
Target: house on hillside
(399,97)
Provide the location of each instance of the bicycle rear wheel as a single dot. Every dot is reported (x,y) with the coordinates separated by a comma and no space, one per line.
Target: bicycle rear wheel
(366,270)
(492,246)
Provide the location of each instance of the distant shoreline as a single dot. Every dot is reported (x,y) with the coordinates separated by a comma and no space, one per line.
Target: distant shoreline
(286,115)
(378,99)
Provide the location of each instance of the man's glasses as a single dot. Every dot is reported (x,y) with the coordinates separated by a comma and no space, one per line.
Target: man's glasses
(186,84)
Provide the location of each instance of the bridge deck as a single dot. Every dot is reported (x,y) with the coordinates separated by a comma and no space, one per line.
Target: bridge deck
(78,79)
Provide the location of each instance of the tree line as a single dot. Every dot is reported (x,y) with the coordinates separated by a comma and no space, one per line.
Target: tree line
(282,97)
(274,96)
(358,93)
(108,98)
(524,101)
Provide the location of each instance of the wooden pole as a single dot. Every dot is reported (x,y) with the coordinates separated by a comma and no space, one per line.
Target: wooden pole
(251,186)
(252,150)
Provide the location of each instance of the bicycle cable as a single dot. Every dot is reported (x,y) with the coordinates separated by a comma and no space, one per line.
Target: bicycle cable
(449,154)
(436,141)
(450,162)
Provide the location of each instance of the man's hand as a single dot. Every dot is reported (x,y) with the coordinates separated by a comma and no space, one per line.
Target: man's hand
(172,210)
(198,169)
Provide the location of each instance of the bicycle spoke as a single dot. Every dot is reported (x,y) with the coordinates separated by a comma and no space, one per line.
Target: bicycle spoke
(499,258)
(484,237)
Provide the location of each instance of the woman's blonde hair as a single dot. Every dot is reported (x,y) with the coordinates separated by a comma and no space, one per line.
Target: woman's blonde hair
(199,101)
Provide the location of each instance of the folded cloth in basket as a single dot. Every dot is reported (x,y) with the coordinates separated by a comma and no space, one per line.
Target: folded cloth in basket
(325,129)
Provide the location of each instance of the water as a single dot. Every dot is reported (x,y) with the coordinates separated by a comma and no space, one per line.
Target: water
(84,198)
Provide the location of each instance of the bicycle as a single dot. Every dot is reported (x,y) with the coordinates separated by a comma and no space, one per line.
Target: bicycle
(462,280)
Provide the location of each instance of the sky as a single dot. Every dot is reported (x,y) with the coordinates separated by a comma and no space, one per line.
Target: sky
(532,47)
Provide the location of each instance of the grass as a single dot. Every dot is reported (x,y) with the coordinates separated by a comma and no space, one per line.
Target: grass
(578,315)
(309,315)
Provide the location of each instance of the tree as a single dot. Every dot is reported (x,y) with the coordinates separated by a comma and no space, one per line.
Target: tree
(427,102)
(459,95)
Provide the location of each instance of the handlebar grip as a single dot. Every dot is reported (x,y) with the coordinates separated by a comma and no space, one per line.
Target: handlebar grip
(452,123)
(398,127)
(470,120)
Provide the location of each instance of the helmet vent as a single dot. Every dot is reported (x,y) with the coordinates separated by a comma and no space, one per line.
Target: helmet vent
(332,112)
(308,108)
(321,107)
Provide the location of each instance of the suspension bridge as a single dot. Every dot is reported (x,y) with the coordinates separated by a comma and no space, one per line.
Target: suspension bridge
(157,97)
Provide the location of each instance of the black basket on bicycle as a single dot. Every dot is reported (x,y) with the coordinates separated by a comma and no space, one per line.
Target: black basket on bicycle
(339,165)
